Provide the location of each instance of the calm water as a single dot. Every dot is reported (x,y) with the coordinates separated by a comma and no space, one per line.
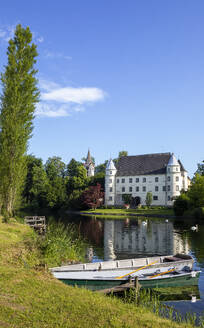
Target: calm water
(131,238)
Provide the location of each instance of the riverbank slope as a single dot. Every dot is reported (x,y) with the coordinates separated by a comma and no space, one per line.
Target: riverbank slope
(31,297)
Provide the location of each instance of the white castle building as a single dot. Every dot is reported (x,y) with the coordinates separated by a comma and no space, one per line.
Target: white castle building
(161,174)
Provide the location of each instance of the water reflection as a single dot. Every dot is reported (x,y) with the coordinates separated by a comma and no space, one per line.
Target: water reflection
(135,238)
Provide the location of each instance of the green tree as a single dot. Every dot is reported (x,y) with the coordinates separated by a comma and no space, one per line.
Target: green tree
(127,198)
(196,191)
(36,181)
(122,153)
(56,189)
(148,198)
(72,167)
(200,169)
(18,100)
(181,204)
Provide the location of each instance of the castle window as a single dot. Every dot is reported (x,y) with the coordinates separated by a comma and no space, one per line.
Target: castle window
(177,188)
(110,198)
(155,197)
(110,172)
(169,198)
(137,180)
(169,188)
(164,188)
(123,181)
(177,169)
(156,188)
(144,180)
(130,180)
(156,179)
(123,189)
(137,189)
(118,180)
(143,188)
(130,189)
(110,180)
(177,178)
(169,169)
(169,178)
(111,189)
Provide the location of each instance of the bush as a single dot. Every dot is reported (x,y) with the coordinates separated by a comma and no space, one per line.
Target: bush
(197,213)
(181,204)
(61,244)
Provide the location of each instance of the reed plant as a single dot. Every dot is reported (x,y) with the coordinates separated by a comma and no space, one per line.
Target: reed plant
(62,244)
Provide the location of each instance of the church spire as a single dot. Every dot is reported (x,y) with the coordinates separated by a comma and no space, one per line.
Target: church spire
(88,159)
(89,165)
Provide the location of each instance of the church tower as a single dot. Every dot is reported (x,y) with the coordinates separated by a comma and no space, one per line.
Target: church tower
(89,165)
(110,183)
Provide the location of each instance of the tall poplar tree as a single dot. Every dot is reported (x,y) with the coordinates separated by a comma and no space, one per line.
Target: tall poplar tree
(19,97)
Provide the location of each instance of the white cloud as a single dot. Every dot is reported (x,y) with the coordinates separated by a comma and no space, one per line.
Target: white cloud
(51,54)
(50,110)
(57,101)
(2,34)
(7,32)
(40,39)
(74,95)
(48,85)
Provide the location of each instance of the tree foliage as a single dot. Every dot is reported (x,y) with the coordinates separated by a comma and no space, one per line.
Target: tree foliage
(122,153)
(148,198)
(127,198)
(20,94)
(181,204)
(196,191)
(93,196)
(200,169)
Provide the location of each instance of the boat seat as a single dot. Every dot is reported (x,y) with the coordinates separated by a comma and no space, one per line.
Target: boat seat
(171,259)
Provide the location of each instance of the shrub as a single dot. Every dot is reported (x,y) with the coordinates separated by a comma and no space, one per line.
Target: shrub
(181,204)
(197,213)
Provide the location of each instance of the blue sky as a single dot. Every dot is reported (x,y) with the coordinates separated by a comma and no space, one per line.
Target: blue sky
(115,75)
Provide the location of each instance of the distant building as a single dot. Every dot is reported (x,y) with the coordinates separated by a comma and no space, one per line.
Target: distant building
(89,165)
(161,174)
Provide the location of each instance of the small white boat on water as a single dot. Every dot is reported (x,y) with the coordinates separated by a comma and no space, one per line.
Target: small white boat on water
(178,261)
(147,278)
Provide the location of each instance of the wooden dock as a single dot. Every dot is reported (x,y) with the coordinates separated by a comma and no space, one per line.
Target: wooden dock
(38,223)
(131,284)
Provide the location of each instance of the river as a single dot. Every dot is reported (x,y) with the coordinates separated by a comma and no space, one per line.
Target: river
(117,239)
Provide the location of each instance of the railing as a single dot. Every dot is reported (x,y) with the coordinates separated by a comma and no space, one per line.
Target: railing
(38,223)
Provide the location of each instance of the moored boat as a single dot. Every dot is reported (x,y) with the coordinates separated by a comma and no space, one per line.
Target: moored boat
(179,261)
(147,278)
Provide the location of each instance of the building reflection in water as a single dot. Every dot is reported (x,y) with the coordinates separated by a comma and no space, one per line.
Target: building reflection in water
(128,238)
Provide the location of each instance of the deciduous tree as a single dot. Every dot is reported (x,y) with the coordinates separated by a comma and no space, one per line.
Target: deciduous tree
(20,94)
(93,196)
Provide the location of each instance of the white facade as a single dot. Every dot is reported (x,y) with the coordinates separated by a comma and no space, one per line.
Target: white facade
(164,187)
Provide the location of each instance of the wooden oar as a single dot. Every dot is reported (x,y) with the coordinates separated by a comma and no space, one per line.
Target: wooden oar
(160,274)
(127,274)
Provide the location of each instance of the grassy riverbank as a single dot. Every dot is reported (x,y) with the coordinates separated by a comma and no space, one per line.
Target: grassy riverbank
(31,297)
(144,211)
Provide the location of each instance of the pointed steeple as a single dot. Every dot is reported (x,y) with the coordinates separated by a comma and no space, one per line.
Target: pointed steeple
(88,159)
(110,165)
(173,160)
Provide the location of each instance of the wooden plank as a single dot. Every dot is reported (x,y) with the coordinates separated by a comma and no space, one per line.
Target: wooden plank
(117,289)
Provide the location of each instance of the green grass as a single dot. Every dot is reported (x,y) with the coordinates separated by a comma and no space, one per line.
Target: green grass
(31,297)
(148,211)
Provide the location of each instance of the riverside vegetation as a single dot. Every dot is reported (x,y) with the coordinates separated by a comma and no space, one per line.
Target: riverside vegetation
(31,297)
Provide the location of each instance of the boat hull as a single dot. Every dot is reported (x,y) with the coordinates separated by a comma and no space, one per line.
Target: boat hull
(174,281)
(179,261)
